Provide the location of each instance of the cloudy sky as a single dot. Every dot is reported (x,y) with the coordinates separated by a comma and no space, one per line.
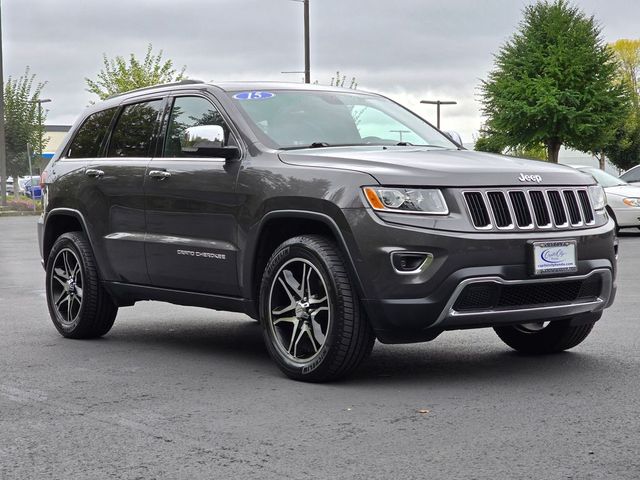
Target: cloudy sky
(407,49)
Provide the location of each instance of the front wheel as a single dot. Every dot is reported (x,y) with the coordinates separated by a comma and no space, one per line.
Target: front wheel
(314,327)
(544,337)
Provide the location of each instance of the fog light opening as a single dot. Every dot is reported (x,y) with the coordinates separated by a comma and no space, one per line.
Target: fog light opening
(411,262)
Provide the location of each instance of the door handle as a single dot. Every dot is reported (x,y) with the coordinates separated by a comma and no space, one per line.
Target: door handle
(94,173)
(159,174)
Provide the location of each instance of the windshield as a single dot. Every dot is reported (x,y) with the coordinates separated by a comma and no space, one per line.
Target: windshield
(603,178)
(289,119)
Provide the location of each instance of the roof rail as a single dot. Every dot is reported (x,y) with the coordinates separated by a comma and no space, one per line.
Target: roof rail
(186,81)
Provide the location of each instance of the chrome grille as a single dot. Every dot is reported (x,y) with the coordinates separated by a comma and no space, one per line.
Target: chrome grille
(477,209)
(522,209)
(586,206)
(500,209)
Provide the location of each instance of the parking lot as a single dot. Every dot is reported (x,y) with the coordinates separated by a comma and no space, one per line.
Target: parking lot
(176,392)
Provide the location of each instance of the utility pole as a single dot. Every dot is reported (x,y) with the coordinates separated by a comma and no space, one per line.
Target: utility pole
(307,60)
(438,103)
(40,101)
(3,148)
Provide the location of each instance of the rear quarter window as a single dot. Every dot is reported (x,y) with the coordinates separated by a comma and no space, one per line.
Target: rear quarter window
(91,134)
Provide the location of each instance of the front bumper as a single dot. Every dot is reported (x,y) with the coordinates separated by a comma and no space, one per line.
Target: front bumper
(408,308)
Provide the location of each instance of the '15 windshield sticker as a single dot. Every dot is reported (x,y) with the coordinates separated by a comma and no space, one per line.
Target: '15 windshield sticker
(253,95)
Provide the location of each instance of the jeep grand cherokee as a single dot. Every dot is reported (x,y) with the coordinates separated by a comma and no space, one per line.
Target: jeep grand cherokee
(332,216)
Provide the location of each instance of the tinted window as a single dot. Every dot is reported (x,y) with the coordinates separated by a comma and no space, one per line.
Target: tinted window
(133,133)
(188,112)
(88,140)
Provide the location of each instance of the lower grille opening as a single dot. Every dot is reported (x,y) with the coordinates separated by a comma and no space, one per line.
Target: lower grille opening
(496,296)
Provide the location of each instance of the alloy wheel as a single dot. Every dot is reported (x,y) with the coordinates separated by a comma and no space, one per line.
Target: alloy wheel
(67,286)
(299,310)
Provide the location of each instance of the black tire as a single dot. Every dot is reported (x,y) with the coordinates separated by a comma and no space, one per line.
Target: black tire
(88,311)
(339,337)
(555,337)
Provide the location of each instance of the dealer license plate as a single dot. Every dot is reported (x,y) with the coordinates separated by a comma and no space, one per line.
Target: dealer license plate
(554,257)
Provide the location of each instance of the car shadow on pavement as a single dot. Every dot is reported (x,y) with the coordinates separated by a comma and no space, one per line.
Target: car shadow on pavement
(218,338)
(448,364)
(239,344)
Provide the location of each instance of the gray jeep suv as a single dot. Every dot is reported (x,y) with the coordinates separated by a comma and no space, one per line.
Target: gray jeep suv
(332,216)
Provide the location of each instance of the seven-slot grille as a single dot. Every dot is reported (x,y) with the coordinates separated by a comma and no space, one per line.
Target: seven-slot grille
(528,209)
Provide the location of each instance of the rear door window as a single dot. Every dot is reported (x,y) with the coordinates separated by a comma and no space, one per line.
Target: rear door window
(134,133)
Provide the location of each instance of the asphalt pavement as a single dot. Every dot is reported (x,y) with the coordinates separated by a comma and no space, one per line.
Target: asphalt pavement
(187,393)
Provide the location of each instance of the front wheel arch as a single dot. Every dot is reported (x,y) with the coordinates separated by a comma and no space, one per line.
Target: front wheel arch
(281,225)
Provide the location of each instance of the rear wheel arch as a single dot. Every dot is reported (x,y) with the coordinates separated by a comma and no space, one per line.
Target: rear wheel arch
(58,222)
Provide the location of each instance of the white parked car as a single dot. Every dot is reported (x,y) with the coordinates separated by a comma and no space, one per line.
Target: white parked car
(623,198)
(632,175)
(9,185)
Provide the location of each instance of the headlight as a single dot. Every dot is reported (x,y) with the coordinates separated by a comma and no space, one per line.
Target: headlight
(632,202)
(406,200)
(598,197)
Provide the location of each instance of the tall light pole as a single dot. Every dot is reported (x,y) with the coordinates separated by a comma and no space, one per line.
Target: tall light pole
(307,54)
(307,60)
(3,149)
(438,103)
(40,101)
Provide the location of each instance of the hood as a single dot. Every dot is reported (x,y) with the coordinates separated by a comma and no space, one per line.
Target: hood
(624,191)
(426,166)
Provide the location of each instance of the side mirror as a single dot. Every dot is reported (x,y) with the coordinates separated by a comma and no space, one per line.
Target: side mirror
(207,141)
(454,137)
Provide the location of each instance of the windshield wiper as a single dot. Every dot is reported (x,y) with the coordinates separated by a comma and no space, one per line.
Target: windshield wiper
(319,145)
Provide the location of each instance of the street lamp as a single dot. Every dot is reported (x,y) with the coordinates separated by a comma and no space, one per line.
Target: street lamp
(438,103)
(3,154)
(307,61)
(40,101)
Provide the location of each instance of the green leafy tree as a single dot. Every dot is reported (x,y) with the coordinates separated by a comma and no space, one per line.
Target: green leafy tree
(624,149)
(118,75)
(23,124)
(492,142)
(489,142)
(534,152)
(553,83)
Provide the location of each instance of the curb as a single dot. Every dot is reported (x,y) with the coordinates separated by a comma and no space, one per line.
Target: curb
(16,213)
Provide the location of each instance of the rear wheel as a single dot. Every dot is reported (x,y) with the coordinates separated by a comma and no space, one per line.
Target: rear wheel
(79,305)
(314,327)
(544,337)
